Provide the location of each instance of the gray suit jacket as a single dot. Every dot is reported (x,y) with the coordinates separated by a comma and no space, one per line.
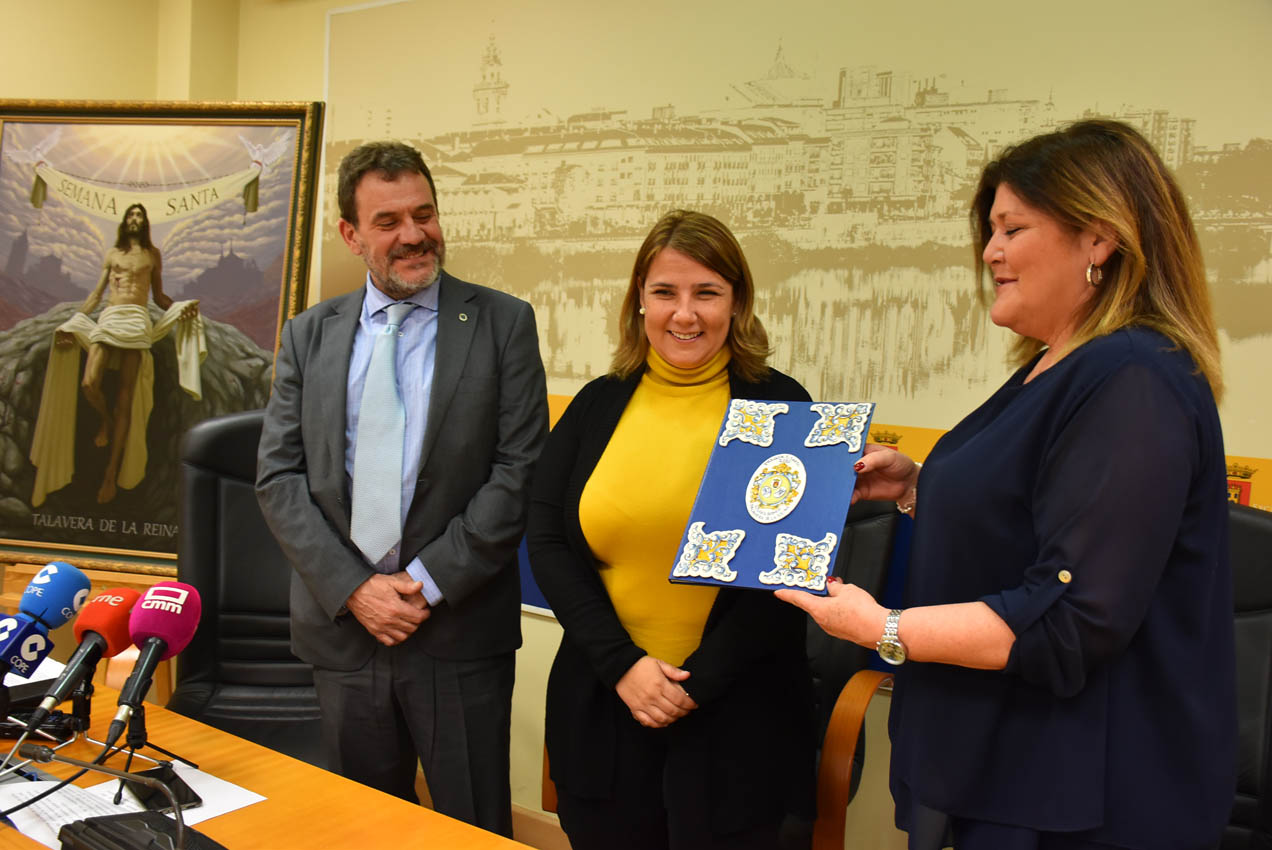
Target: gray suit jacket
(488,418)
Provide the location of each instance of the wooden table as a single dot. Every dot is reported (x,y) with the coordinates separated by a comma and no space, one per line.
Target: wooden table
(305,807)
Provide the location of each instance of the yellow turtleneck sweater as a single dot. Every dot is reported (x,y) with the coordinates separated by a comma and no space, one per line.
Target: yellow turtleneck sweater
(634,507)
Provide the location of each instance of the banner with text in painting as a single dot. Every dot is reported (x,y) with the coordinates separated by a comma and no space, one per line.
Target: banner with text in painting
(162,205)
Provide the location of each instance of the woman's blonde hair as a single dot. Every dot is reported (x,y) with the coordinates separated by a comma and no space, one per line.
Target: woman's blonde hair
(707,241)
(1104,176)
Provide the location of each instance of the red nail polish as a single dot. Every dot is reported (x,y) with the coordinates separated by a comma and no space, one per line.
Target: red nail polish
(859,465)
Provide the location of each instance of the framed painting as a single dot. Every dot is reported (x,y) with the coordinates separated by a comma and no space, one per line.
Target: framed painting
(149,254)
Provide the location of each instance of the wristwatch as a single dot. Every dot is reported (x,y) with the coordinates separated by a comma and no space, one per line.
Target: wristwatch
(890,647)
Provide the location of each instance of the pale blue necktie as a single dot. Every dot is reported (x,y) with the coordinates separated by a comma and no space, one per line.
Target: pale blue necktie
(377,457)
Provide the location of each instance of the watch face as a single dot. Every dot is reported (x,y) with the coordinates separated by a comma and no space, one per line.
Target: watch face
(891,651)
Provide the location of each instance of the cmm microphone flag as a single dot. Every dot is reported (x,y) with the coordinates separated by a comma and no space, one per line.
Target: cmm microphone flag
(161,625)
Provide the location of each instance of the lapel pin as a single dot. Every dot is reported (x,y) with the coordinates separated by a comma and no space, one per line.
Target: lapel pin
(463,317)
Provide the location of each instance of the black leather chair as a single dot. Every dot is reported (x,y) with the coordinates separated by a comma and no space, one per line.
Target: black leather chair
(864,557)
(843,680)
(238,673)
(1250,825)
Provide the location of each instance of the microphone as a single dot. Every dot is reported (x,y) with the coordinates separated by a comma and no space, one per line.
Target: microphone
(161,624)
(51,598)
(54,594)
(43,754)
(102,630)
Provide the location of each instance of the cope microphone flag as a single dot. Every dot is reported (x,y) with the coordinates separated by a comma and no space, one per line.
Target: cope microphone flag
(102,631)
(161,624)
(51,598)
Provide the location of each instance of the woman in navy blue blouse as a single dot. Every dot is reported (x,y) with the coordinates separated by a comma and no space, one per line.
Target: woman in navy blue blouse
(1069,675)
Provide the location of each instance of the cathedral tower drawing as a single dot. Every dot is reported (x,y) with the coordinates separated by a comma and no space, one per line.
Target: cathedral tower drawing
(491,91)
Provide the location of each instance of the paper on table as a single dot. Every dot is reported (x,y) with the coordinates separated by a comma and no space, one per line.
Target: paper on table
(47,669)
(41,821)
(218,795)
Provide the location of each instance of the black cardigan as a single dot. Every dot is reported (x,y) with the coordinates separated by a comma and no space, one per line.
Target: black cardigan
(751,740)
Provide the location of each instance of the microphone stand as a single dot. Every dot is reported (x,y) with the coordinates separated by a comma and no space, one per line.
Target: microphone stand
(82,702)
(81,713)
(136,739)
(45,754)
(6,768)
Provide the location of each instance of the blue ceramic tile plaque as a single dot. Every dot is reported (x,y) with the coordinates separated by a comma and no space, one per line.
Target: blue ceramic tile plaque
(772,502)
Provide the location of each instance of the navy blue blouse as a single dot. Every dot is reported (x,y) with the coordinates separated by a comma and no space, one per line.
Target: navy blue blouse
(1088,509)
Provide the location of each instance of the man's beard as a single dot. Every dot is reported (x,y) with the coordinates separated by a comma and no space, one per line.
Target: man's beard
(395,287)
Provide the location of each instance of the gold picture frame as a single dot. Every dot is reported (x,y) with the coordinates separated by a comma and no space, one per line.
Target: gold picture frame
(228,192)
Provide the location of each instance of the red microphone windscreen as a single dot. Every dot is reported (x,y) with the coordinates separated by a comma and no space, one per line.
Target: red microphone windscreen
(107,614)
(170,611)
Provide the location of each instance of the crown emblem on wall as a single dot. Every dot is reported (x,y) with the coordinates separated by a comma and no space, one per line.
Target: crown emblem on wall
(1240,470)
(885,437)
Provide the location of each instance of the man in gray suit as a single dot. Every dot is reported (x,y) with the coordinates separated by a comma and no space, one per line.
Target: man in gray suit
(413,647)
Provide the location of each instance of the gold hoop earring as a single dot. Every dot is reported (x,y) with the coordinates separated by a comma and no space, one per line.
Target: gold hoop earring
(641,311)
(1094,274)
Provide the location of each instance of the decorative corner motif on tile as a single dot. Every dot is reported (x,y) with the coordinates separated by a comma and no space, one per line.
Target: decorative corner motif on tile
(751,422)
(800,562)
(707,554)
(839,423)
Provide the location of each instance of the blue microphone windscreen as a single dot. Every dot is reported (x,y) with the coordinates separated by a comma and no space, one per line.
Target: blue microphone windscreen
(23,644)
(55,594)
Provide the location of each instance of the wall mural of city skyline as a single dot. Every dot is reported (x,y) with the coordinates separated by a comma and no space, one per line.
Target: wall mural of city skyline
(842,146)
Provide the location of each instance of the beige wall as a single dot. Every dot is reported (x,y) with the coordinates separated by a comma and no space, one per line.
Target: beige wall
(172,49)
(213,39)
(130,50)
(281,48)
(69,49)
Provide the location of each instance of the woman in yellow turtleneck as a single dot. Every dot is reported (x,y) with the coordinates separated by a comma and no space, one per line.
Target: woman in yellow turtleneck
(678,716)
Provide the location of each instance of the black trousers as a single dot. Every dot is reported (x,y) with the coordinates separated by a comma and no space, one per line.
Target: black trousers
(452,717)
(639,816)
(933,830)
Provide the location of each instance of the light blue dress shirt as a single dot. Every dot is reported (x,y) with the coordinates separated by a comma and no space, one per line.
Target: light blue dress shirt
(416,354)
